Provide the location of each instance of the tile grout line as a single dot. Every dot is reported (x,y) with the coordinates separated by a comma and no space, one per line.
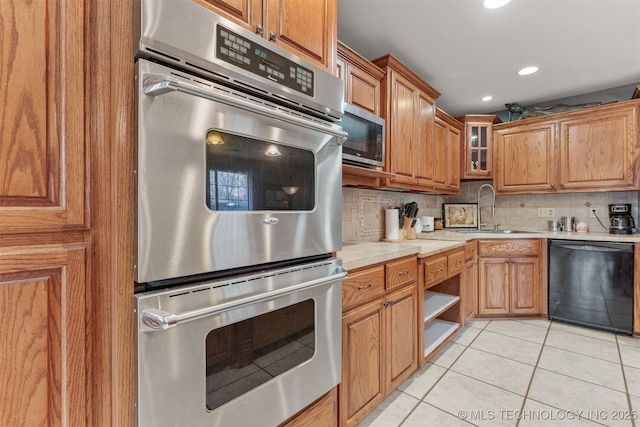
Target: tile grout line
(626,386)
(533,374)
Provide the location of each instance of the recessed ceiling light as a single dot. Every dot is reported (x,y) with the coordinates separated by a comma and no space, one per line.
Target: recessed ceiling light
(494,4)
(487,98)
(527,70)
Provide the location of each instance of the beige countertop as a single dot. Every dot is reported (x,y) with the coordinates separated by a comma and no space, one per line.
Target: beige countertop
(361,254)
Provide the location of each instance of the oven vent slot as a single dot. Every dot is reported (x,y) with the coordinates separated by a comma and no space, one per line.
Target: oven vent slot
(220,76)
(173,58)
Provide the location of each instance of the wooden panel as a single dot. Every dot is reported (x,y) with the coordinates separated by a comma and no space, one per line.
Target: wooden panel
(525,285)
(42,179)
(440,154)
(595,150)
(306,27)
(401,130)
(246,13)
(365,91)
(323,412)
(363,345)
(493,286)
(525,159)
(401,272)
(455,262)
(402,336)
(505,247)
(42,297)
(436,269)
(362,286)
(425,140)
(470,249)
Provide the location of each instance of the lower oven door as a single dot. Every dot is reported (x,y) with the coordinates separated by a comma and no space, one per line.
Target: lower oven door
(244,351)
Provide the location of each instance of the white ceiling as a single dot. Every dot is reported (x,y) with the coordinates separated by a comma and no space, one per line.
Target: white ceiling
(466,51)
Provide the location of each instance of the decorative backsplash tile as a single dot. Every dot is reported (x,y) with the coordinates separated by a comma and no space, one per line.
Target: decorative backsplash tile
(363,210)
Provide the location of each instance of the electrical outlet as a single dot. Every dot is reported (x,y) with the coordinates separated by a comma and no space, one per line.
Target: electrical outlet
(593,212)
(546,213)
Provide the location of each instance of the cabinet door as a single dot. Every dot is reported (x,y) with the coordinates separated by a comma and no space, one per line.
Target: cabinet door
(425,140)
(402,335)
(323,412)
(525,285)
(441,132)
(469,290)
(363,90)
(402,126)
(595,151)
(363,344)
(42,154)
(307,28)
(493,286)
(452,156)
(43,335)
(525,159)
(246,13)
(477,150)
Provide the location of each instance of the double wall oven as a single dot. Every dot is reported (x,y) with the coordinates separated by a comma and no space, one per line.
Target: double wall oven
(238,214)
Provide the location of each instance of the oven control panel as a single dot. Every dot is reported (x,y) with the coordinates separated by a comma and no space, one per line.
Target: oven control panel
(241,52)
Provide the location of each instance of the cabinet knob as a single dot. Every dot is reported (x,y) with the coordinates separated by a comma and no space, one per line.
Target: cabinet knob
(403,273)
(552,186)
(272,37)
(561,185)
(365,287)
(458,262)
(438,270)
(260,29)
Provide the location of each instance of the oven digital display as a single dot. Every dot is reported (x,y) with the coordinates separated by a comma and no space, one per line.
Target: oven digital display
(237,50)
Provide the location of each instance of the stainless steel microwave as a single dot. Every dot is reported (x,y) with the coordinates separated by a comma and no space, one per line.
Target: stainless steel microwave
(365,140)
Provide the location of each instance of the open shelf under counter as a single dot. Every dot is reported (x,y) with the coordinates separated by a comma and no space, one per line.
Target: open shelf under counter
(436,303)
(436,332)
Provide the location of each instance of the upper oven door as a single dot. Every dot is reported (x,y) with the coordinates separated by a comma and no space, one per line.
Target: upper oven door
(227,180)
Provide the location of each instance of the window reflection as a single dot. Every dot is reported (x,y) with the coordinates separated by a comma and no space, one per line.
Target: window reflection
(244,174)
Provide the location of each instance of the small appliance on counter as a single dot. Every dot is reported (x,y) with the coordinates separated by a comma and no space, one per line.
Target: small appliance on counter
(620,219)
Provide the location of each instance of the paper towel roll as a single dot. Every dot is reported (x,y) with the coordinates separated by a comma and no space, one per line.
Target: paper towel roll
(392,224)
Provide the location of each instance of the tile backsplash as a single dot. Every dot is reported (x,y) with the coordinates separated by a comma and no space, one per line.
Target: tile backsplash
(363,210)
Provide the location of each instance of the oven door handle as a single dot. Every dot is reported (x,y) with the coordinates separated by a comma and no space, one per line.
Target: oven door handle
(157,319)
(158,84)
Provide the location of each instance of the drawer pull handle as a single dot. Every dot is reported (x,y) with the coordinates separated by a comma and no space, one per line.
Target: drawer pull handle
(403,273)
(365,287)
(439,270)
(388,303)
(458,262)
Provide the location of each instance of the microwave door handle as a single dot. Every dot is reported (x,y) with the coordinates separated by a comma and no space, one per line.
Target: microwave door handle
(155,319)
(158,84)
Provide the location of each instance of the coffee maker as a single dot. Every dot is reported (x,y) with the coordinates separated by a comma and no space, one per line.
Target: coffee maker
(620,219)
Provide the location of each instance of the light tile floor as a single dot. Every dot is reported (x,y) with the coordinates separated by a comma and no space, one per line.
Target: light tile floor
(521,373)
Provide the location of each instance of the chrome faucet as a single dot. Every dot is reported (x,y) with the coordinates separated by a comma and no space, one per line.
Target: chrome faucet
(493,204)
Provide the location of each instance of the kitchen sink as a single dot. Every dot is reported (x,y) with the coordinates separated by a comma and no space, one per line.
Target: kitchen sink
(506,231)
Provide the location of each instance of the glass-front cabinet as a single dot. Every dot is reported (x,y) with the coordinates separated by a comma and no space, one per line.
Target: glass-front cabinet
(476,146)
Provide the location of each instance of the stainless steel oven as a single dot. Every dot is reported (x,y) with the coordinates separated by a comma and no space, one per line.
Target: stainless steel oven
(238,214)
(245,351)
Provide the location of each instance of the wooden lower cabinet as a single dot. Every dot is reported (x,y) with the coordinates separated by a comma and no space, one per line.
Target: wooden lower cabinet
(469,283)
(510,277)
(379,337)
(323,412)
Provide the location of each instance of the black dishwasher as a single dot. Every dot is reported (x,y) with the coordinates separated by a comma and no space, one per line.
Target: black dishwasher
(591,284)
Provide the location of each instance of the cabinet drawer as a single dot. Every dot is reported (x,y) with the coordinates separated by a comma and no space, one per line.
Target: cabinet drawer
(401,272)
(436,269)
(510,247)
(470,250)
(363,285)
(455,262)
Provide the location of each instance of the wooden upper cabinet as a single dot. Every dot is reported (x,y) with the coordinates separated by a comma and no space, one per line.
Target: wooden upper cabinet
(595,149)
(43,173)
(408,106)
(361,80)
(525,158)
(447,153)
(476,152)
(307,28)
